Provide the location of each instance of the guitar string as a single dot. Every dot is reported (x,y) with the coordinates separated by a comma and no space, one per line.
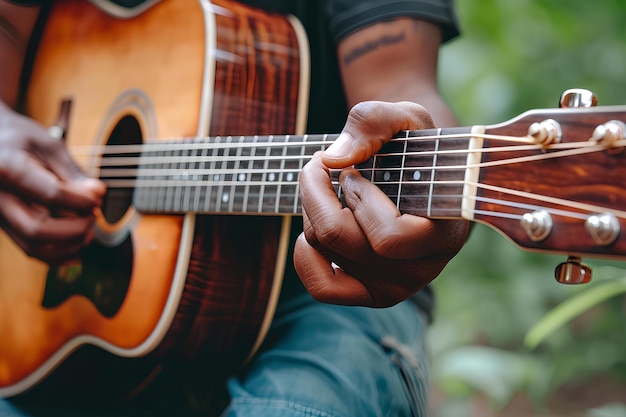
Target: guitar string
(108,172)
(108,162)
(582,207)
(588,147)
(198,143)
(573,148)
(525,195)
(190,179)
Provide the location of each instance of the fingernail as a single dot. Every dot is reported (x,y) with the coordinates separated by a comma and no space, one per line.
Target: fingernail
(94,183)
(339,148)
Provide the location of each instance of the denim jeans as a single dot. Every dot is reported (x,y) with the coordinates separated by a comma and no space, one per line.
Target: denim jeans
(318,360)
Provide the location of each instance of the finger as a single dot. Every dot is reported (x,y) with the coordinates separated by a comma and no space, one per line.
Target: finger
(327,224)
(395,235)
(52,253)
(48,153)
(56,157)
(33,223)
(325,282)
(52,152)
(381,282)
(32,180)
(368,126)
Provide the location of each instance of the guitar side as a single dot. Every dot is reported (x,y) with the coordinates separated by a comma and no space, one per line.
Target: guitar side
(195,285)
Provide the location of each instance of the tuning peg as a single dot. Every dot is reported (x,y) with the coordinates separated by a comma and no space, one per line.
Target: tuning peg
(578,97)
(572,271)
(546,132)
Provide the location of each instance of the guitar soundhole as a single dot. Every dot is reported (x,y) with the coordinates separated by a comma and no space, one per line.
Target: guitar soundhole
(102,275)
(118,199)
(103,271)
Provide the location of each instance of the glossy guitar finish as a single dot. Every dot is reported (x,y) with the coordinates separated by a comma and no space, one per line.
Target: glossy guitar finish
(498,174)
(185,283)
(174,286)
(570,184)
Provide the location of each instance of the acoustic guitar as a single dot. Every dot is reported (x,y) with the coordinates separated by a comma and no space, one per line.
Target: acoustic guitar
(163,283)
(197,127)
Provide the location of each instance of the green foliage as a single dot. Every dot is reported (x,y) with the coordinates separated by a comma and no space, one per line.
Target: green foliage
(515,56)
(522,54)
(572,308)
(505,327)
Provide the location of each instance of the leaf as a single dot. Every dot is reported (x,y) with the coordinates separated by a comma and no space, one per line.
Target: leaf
(572,308)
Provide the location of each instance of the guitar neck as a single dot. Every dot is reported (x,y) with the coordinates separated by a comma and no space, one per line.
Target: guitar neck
(548,180)
(259,174)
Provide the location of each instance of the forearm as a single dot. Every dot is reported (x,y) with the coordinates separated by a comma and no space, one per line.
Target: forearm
(395,61)
(16,26)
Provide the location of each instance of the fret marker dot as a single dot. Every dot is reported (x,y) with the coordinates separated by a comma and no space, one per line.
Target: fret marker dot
(387,176)
(290,176)
(225,198)
(271,177)
(241,177)
(417,175)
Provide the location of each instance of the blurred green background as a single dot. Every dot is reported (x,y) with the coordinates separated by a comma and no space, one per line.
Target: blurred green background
(514,56)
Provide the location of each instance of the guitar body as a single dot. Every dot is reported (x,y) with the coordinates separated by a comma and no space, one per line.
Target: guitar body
(158,287)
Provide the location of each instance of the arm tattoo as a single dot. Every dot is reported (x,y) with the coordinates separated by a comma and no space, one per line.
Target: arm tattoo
(370,46)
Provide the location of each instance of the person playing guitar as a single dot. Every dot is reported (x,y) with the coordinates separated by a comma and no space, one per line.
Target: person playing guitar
(353,344)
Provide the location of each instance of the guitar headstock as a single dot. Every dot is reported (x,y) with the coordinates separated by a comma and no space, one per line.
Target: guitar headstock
(555,180)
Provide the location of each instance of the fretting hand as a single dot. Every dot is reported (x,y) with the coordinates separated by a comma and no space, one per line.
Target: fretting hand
(368,253)
(46,202)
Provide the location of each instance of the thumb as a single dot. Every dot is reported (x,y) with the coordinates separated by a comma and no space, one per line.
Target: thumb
(56,157)
(369,125)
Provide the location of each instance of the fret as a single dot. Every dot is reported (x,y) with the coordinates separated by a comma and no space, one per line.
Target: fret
(402,165)
(237,177)
(186,175)
(267,176)
(334,174)
(433,175)
(259,165)
(202,178)
(164,194)
(222,177)
(252,154)
(153,183)
(290,167)
(303,155)
(140,197)
(211,177)
(174,189)
(156,188)
(281,178)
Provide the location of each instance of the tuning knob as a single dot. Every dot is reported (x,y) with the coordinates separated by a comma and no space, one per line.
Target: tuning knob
(604,228)
(546,132)
(610,135)
(572,271)
(537,225)
(578,97)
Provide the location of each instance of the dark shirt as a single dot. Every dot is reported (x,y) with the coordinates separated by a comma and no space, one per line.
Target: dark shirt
(326,22)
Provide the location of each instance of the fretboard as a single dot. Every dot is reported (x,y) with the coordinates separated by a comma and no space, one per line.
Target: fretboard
(420,172)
